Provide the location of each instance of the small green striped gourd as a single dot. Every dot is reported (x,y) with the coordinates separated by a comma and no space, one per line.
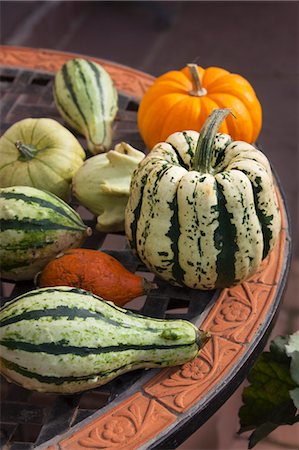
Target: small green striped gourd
(203,210)
(87,100)
(67,340)
(35,227)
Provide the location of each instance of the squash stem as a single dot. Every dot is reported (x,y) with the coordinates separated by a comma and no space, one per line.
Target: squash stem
(27,152)
(204,147)
(197,89)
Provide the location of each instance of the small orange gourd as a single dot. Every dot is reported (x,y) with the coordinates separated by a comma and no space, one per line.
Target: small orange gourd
(182,100)
(97,272)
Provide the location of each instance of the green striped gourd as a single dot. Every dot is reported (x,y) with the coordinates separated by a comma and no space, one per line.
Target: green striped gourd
(67,340)
(87,100)
(35,227)
(203,210)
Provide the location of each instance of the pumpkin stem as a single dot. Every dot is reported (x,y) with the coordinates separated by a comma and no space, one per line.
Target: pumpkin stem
(204,147)
(197,89)
(27,152)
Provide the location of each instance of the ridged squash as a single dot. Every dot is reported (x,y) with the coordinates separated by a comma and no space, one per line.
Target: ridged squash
(87,100)
(102,185)
(203,210)
(40,153)
(35,227)
(182,100)
(68,340)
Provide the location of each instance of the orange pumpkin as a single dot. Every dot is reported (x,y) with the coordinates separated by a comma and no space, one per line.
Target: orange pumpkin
(182,100)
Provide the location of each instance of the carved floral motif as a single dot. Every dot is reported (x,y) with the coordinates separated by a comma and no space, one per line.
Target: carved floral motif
(118,430)
(180,388)
(196,369)
(130,423)
(234,311)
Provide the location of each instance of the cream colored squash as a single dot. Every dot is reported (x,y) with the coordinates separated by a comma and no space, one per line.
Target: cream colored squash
(203,211)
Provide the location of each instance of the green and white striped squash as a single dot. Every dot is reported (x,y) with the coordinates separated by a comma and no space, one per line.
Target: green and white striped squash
(203,210)
(87,100)
(67,340)
(35,227)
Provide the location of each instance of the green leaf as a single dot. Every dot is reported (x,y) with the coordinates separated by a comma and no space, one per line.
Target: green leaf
(272,397)
(283,414)
(278,348)
(294,367)
(270,383)
(294,394)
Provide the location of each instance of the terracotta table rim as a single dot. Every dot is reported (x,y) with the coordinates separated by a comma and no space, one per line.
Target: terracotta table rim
(159,414)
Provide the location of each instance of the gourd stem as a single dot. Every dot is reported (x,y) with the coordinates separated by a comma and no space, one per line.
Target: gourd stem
(197,89)
(204,147)
(27,152)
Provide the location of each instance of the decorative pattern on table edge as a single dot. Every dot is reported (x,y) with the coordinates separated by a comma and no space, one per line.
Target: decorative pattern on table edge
(128,80)
(138,419)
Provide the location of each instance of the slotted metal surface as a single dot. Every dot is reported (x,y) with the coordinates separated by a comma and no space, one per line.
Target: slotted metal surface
(30,418)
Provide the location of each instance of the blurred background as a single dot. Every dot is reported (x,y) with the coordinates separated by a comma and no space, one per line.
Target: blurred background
(257,39)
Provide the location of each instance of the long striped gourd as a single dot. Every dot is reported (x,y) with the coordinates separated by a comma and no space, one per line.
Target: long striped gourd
(203,210)
(35,227)
(67,340)
(87,100)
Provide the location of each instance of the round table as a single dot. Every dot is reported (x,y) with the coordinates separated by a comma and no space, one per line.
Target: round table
(163,407)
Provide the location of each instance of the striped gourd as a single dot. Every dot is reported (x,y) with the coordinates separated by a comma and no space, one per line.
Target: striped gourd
(66,340)
(203,210)
(87,100)
(35,227)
